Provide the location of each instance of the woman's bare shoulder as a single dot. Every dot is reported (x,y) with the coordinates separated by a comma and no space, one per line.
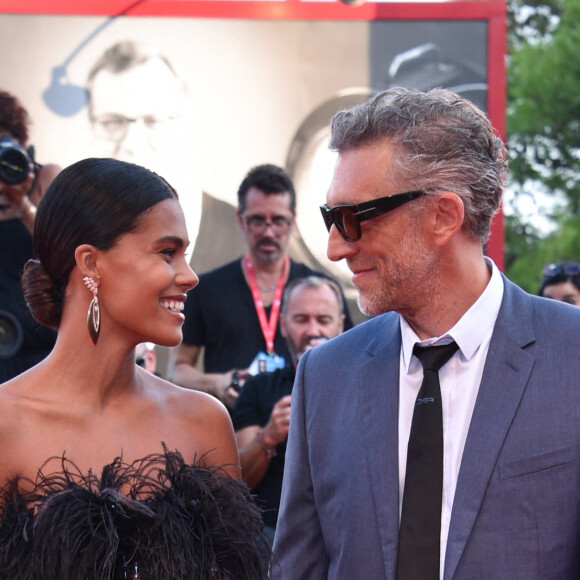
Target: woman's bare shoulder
(203,423)
(23,395)
(13,396)
(191,402)
(13,431)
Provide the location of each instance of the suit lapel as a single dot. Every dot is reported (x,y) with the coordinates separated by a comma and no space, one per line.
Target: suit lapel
(506,373)
(379,402)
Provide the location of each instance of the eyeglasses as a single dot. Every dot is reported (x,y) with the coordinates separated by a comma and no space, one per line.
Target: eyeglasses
(114,127)
(561,269)
(347,218)
(258,224)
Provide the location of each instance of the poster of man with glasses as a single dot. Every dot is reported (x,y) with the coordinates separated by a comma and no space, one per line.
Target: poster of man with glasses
(201,100)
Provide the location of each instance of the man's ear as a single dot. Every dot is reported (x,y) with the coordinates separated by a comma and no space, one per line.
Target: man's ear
(86,258)
(283,331)
(341,324)
(449,215)
(294,225)
(240,220)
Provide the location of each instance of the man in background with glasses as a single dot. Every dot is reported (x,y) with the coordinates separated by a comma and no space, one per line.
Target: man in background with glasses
(468,469)
(139,113)
(234,311)
(138,110)
(561,281)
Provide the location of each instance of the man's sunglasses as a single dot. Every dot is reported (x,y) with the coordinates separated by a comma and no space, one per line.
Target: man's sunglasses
(347,218)
(561,269)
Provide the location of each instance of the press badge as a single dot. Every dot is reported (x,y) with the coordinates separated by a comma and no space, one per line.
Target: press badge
(266,363)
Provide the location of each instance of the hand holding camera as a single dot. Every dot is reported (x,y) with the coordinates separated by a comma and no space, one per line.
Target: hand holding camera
(276,430)
(16,162)
(17,172)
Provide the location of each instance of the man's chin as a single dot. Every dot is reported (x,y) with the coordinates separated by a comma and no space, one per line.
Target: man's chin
(370,306)
(267,257)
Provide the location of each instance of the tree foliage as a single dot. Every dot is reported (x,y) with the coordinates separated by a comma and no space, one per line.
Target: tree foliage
(543,117)
(543,128)
(530,253)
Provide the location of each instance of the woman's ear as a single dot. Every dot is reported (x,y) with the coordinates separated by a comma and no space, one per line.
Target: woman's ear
(449,216)
(86,260)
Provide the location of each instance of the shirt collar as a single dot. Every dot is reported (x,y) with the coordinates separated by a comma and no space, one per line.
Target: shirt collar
(470,330)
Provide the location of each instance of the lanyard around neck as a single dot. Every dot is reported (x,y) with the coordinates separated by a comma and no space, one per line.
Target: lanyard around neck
(268,326)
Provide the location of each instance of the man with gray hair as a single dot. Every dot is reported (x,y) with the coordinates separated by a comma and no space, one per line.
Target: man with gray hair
(312,312)
(440,439)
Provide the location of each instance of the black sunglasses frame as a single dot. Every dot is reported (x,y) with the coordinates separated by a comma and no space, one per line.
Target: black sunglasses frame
(360,212)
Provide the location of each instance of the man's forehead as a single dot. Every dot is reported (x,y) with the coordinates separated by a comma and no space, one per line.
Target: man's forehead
(147,88)
(361,174)
(303,298)
(257,200)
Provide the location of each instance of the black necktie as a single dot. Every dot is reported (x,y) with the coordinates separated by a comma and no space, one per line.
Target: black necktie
(420,531)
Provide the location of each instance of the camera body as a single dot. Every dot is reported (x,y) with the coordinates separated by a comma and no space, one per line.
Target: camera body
(16,162)
(11,334)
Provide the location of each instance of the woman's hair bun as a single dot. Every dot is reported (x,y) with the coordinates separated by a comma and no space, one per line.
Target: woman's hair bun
(43,297)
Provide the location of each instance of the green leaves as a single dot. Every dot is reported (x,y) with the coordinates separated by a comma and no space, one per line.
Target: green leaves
(543,127)
(544,96)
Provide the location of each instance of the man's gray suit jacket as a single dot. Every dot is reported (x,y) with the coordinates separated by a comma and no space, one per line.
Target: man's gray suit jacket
(516,512)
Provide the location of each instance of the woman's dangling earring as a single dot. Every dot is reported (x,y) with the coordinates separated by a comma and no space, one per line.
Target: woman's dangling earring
(94,314)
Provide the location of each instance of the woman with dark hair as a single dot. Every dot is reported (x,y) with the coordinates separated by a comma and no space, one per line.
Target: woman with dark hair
(107,470)
(561,281)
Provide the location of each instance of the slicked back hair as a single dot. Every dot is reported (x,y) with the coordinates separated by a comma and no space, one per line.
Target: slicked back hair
(440,142)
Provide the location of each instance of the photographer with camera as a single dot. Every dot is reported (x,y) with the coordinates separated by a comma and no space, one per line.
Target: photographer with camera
(312,312)
(23,181)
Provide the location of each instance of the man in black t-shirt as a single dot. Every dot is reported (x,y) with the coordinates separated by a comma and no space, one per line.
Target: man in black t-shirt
(312,312)
(232,315)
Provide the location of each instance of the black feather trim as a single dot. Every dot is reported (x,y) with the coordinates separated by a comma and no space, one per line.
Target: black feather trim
(168,519)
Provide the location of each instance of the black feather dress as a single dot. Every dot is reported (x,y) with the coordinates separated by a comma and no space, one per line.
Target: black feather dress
(154,519)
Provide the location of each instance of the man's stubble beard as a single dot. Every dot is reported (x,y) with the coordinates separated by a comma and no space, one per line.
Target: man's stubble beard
(269,257)
(408,281)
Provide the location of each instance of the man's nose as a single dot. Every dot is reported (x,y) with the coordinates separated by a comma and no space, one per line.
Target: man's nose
(137,137)
(338,248)
(314,328)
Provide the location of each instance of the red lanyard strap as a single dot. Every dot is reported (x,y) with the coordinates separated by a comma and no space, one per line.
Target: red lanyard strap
(268,326)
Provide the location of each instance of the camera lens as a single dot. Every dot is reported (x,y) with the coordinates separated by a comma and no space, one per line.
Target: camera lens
(11,335)
(14,166)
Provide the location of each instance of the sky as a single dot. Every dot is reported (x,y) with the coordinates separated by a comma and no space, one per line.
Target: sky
(535,208)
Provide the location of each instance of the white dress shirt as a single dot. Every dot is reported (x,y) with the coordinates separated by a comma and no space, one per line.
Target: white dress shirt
(459,378)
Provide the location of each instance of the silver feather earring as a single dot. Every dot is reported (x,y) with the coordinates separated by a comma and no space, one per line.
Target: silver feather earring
(94,314)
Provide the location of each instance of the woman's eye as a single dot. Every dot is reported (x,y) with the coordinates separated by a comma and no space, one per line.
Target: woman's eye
(170,252)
